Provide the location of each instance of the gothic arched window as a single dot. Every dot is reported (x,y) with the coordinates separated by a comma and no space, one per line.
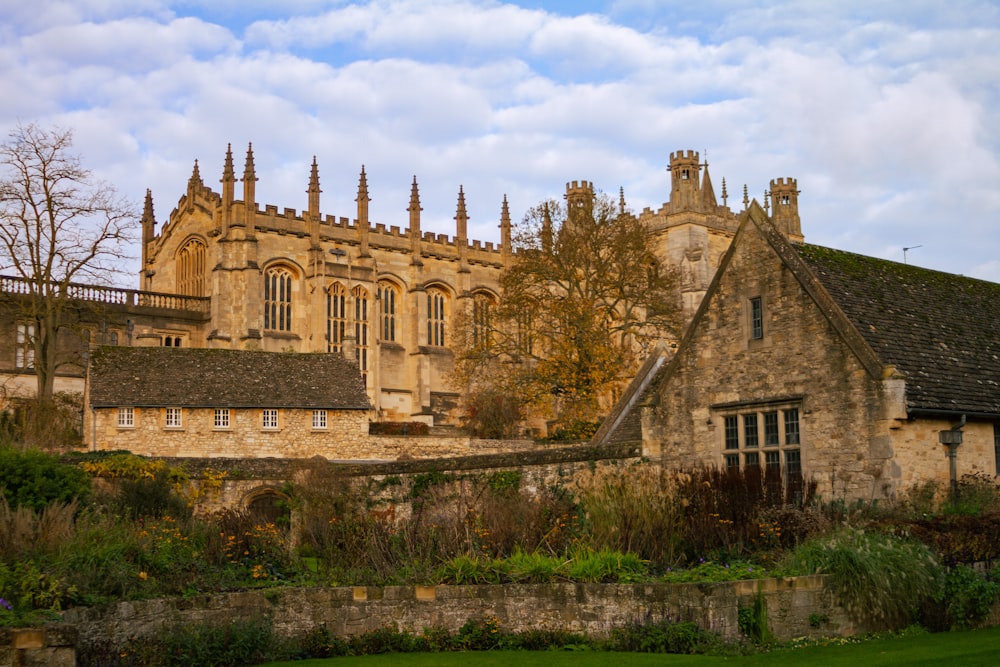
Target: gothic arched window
(336,317)
(437,304)
(482,320)
(191,269)
(388,295)
(278,299)
(361,329)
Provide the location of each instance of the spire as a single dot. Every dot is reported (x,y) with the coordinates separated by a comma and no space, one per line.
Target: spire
(546,228)
(414,210)
(362,201)
(505,249)
(461,218)
(228,184)
(195,183)
(708,201)
(313,212)
(148,220)
(249,192)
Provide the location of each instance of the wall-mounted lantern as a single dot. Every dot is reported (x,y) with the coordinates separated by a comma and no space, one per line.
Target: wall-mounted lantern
(952,438)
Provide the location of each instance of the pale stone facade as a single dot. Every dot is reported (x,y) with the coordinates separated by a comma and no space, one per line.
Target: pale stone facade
(385,296)
(840,367)
(345,435)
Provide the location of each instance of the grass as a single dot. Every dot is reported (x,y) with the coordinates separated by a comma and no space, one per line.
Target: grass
(973,647)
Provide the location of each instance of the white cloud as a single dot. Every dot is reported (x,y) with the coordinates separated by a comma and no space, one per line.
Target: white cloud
(887,114)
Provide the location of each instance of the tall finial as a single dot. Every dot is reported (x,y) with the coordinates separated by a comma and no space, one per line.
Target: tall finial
(415,234)
(767,202)
(249,172)
(363,200)
(461,215)
(249,192)
(313,191)
(621,200)
(228,185)
(746,198)
(195,182)
(505,249)
(227,170)
(725,194)
(312,217)
(148,220)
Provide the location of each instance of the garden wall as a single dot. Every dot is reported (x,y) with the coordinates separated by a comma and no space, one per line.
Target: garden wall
(796,606)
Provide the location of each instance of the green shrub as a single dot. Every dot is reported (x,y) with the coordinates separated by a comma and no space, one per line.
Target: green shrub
(664,636)
(34,479)
(154,496)
(587,565)
(966,597)
(880,578)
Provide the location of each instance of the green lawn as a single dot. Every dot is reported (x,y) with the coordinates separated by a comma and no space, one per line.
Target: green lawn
(977,647)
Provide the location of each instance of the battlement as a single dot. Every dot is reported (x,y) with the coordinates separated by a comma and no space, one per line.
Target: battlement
(784,184)
(684,156)
(580,186)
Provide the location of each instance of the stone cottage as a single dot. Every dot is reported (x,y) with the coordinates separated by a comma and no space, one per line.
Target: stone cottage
(859,373)
(187,402)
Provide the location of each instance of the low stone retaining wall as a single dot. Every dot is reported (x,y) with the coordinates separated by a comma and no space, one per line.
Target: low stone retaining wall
(594,609)
(52,646)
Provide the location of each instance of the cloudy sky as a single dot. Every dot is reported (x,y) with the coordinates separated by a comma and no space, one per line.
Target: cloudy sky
(887,113)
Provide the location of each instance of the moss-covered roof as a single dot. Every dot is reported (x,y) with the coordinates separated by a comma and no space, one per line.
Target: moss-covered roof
(942,330)
(210,378)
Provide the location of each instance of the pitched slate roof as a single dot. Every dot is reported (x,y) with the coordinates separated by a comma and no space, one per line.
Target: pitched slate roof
(942,330)
(203,378)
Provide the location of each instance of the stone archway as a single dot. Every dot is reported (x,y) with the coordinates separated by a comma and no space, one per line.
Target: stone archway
(268,505)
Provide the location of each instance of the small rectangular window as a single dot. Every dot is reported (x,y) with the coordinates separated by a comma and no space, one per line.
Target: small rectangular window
(221,418)
(750,438)
(269,418)
(732,461)
(751,459)
(771,437)
(792,426)
(126,417)
(772,460)
(24,355)
(756,318)
(793,463)
(173,418)
(319,419)
(732,432)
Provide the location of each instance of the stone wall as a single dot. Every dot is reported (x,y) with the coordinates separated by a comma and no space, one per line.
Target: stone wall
(51,646)
(226,483)
(345,437)
(594,609)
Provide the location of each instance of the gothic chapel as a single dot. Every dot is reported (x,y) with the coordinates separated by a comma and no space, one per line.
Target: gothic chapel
(382,296)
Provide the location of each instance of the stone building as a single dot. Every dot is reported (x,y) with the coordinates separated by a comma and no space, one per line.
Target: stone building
(383,296)
(846,369)
(225,403)
(228,273)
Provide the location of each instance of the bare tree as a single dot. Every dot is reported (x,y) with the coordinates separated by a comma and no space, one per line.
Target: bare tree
(58,227)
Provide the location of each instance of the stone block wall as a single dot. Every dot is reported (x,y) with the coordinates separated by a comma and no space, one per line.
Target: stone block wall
(594,609)
(51,646)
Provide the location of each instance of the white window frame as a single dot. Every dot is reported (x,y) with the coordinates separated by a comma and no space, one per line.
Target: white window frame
(173,418)
(126,417)
(320,422)
(24,356)
(269,419)
(221,419)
